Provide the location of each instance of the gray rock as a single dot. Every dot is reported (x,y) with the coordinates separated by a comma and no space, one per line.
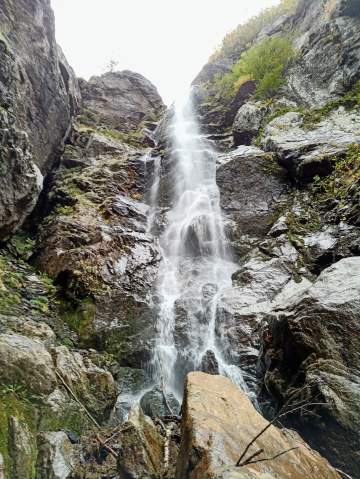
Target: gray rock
(37,86)
(247,122)
(328,45)
(153,403)
(121,100)
(306,153)
(260,188)
(56,456)
(27,362)
(313,341)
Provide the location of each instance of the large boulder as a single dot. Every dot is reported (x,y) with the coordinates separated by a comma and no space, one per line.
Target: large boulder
(313,344)
(27,362)
(56,456)
(141,448)
(219,422)
(259,190)
(305,152)
(248,121)
(122,101)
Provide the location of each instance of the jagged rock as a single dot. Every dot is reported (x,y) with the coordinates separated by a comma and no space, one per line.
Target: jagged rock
(322,69)
(21,449)
(306,153)
(35,78)
(27,362)
(218,423)
(209,363)
(140,454)
(248,121)
(56,456)
(314,341)
(153,403)
(260,188)
(121,100)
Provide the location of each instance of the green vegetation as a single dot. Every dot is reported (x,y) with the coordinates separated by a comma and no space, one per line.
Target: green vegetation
(79,315)
(132,138)
(23,245)
(236,41)
(264,63)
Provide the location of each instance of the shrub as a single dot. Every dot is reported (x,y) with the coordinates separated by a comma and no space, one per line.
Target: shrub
(265,63)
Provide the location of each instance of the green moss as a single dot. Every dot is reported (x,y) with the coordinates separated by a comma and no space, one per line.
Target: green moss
(132,138)
(79,315)
(23,245)
(41,304)
(69,417)
(14,403)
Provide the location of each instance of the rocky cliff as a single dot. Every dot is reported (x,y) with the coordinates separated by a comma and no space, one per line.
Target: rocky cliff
(79,257)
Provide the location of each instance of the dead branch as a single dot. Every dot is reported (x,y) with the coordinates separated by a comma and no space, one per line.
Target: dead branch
(282,412)
(105,446)
(68,388)
(257,453)
(343,473)
(273,457)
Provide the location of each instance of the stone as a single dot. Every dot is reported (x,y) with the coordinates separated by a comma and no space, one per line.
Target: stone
(140,454)
(260,188)
(95,386)
(313,342)
(219,421)
(248,121)
(121,100)
(153,403)
(21,449)
(56,456)
(307,153)
(27,362)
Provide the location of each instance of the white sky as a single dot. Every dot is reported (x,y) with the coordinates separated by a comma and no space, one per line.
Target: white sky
(168,41)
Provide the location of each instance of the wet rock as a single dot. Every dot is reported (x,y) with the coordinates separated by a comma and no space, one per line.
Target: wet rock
(248,121)
(37,86)
(121,100)
(28,362)
(307,153)
(130,384)
(260,188)
(209,363)
(153,403)
(218,423)
(314,343)
(56,456)
(140,452)
(324,69)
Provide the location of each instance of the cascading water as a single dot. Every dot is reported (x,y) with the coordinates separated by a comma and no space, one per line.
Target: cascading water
(196,265)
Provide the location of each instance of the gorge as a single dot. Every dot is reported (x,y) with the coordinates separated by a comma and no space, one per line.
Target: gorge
(180,287)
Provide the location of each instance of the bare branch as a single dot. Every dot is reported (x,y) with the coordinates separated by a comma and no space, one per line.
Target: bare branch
(273,457)
(257,453)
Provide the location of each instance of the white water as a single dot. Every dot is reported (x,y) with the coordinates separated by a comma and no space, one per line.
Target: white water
(196,265)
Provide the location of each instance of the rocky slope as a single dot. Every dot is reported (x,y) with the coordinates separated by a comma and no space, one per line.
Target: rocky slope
(78,264)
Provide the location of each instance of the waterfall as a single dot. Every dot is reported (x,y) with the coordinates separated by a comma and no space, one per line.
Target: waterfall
(196,265)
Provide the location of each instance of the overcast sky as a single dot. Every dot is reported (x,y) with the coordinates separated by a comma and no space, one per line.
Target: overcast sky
(168,41)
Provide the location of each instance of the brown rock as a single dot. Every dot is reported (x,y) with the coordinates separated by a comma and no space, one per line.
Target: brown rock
(218,423)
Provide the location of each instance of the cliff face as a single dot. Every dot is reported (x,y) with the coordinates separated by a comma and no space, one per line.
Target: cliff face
(77,319)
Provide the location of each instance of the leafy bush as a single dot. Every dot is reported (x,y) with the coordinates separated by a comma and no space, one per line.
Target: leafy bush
(265,63)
